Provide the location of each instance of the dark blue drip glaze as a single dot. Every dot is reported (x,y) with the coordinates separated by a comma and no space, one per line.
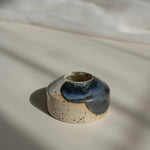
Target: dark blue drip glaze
(95,94)
(97,107)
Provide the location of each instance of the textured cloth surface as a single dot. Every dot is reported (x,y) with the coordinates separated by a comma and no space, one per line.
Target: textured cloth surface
(31,57)
(127,20)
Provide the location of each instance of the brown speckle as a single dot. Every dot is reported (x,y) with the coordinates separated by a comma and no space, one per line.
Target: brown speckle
(55,92)
(73,119)
(63,101)
(67,109)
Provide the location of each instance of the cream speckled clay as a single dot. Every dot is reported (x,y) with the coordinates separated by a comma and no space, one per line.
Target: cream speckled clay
(78,97)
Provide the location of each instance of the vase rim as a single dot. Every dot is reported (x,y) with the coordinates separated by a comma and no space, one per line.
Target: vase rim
(78,77)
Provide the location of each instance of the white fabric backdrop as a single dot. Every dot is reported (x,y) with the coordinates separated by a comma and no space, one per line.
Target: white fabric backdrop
(31,57)
(127,20)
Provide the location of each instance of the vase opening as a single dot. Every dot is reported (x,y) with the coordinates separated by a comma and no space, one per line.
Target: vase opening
(78,76)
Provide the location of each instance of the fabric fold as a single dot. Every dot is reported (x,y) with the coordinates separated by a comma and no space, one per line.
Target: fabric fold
(116,19)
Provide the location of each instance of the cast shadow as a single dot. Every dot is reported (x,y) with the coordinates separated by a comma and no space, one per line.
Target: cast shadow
(39,100)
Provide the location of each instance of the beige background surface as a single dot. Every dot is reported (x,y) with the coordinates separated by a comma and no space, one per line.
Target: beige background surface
(31,57)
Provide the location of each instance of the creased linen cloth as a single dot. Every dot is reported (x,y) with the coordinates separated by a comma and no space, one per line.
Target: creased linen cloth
(127,20)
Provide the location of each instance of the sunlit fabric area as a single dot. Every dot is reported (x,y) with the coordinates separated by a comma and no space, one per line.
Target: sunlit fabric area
(41,40)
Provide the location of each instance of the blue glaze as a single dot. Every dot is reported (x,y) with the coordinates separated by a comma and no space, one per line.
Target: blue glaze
(95,94)
(98,107)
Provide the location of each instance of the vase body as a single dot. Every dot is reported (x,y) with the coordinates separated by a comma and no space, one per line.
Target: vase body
(78,97)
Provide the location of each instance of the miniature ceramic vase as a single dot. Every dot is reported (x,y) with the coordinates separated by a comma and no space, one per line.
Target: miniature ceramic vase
(77,97)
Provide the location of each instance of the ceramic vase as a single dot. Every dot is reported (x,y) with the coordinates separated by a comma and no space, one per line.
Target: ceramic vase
(78,97)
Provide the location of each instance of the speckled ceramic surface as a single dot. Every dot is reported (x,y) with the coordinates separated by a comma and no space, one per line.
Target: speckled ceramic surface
(78,97)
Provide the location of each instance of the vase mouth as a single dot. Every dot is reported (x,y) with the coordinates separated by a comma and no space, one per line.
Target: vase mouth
(78,77)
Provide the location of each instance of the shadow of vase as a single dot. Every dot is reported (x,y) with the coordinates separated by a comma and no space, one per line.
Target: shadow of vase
(39,100)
